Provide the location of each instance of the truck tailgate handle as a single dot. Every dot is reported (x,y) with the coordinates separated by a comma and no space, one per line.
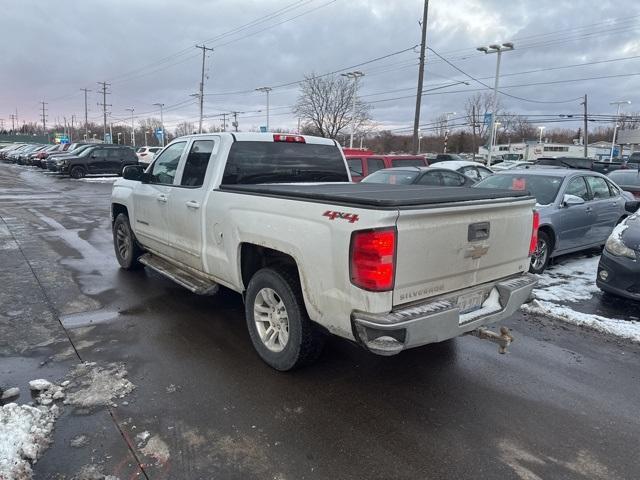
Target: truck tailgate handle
(162,198)
(478,231)
(192,204)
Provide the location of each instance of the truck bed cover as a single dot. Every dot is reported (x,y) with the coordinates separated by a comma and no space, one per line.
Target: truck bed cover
(371,195)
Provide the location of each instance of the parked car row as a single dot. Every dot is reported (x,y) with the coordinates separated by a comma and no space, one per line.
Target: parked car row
(76,160)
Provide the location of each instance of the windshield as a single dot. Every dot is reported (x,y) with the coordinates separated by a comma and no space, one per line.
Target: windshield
(283,162)
(544,188)
(625,177)
(398,177)
(83,151)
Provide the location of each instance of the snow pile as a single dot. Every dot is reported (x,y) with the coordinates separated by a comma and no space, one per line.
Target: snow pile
(100,179)
(24,435)
(572,282)
(92,386)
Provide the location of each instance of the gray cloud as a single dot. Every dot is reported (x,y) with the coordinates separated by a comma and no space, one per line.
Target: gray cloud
(51,50)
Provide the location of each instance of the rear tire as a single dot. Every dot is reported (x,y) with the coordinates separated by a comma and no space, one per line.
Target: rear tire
(277,320)
(542,254)
(77,172)
(125,244)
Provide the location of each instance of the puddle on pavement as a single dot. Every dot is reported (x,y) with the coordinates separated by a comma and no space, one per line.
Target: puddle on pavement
(85,319)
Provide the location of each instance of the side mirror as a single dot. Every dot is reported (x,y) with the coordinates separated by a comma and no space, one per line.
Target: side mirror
(632,206)
(133,172)
(569,200)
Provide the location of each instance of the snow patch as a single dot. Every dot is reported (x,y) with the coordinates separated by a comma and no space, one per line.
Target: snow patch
(10,393)
(628,329)
(157,448)
(92,386)
(25,433)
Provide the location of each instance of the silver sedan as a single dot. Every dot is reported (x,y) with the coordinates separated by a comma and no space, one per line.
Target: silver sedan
(578,209)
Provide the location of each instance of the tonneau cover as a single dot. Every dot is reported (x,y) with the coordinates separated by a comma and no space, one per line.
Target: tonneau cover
(375,194)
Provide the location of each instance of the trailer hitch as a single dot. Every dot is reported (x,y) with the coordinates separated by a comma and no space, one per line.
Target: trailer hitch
(503,339)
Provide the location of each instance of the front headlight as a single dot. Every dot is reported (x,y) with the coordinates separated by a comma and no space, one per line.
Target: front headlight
(615,245)
(61,162)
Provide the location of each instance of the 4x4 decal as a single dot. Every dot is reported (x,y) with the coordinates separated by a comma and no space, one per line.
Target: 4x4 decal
(351,217)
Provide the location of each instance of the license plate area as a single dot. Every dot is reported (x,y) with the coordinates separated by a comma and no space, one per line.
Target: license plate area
(470,301)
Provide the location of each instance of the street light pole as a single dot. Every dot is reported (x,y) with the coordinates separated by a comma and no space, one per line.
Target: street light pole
(161,121)
(266,90)
(446,130)
(419,141)
(133,130)
(495,48)
(355,76)
(615,127)
(541,130)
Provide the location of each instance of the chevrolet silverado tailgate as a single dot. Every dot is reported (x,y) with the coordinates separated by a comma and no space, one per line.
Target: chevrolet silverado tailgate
(444,248)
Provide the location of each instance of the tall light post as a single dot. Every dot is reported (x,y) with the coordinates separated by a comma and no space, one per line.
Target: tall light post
(495,48)
(266,90)
(541,129)
(133,128)
(615,127)
(446,130)
(355,76)
(161,121)
(419,141)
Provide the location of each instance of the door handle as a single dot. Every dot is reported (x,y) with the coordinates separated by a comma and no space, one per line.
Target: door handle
(162,198)
(192,204)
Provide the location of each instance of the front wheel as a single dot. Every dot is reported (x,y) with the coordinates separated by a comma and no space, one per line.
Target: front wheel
(541,255)
(77,172)
(277,320)
(125,244)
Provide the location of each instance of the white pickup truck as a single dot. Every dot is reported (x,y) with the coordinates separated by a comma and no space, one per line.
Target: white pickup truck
(275,218)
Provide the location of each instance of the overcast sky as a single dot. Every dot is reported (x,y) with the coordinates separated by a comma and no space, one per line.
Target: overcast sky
(146,49)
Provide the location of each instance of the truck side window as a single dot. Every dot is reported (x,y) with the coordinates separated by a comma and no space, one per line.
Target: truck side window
(355,166)
(195,167)
(165,166)
(374,164)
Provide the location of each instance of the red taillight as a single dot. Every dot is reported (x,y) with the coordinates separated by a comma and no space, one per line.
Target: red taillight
(289,138)
(142,154)
(534,233)
(373,259)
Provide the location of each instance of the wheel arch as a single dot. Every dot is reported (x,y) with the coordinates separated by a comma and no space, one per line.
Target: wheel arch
(117,209)
(549,230)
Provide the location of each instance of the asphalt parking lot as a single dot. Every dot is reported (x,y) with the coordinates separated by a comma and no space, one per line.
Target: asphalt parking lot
(562,404)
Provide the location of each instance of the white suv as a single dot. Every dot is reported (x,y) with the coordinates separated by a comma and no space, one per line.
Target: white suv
(146,154)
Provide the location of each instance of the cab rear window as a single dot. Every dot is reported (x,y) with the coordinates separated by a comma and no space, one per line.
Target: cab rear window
(283,162)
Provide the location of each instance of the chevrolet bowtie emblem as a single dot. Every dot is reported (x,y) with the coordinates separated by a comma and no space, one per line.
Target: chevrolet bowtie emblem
(476,251)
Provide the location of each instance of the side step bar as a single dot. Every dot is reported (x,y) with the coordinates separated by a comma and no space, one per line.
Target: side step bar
(179,275)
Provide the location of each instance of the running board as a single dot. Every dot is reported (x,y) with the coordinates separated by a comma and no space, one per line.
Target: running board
(179,275)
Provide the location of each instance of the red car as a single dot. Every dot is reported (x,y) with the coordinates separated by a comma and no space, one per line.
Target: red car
(365,162)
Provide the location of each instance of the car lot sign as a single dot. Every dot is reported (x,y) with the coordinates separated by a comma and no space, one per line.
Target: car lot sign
(61,138)
(159,134)
(263,129)
(487,118)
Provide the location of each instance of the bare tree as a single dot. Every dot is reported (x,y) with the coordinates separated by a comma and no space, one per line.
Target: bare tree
(325,105)
(475,109)
(185,128)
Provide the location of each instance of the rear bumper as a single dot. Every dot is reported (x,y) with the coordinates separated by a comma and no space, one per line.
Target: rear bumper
(622,276)
(439,318)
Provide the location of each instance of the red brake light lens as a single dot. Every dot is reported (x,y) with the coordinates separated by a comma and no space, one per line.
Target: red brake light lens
(534,233)
(373,259)
(289,138)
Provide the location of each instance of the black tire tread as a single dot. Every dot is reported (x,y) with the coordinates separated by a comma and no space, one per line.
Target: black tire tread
(134,264)
(312,340)
(549,249)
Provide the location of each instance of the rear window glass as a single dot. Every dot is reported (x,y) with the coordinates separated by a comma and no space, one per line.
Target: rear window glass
(392,177)
(407,162)
(544,188)
(282,162)
(625,177)
(355,166)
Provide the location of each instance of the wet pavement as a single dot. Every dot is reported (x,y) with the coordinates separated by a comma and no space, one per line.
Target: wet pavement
(562,404)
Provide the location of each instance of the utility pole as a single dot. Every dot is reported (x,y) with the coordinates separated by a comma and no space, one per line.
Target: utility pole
(104,105)
(266,90)
(86,117)
(204,55)
(235,120)
(13,122)
(133,128)
(224,122)
(44,117)
(615,127)
(495,48)
(423,44)
(585,135)
(73,119)
(355,76)
(161,121)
